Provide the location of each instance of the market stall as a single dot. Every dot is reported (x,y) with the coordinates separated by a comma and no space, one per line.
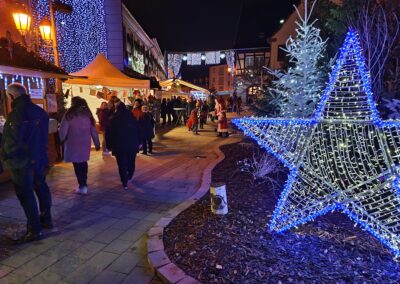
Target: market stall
(42,94)
(100,80)
(180,88)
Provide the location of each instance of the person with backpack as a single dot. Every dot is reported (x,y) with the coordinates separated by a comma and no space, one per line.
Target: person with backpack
(24,153)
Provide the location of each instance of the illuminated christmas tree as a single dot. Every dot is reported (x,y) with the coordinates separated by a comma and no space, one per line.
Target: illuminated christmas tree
(297,91)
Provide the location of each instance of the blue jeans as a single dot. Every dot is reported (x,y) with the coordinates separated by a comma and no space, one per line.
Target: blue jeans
(28,181)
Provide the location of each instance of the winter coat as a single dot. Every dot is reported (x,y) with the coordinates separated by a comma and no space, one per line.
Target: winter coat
(193,119)
(147,126)
(76,135)
(137,113)
(25,136)
(1,166)
(104,117)
(170,107)
(163,110)
(122,134)
(222,124)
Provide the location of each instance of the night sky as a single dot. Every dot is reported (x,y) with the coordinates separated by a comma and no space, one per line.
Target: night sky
(194,25)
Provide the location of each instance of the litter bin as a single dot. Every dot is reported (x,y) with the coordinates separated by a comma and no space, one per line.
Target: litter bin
(219,201)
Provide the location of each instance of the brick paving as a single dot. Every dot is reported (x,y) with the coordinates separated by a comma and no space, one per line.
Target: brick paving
(101,237)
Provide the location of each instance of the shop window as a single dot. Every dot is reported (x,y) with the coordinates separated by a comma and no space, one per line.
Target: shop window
(249,62)
(253,90)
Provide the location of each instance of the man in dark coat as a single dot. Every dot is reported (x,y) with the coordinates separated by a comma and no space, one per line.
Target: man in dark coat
(24,153)
(147,126)
(122,138)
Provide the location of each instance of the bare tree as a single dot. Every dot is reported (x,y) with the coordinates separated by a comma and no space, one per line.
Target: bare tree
(378,26)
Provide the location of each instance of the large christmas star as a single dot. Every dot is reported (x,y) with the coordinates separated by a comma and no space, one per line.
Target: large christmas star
(344,158)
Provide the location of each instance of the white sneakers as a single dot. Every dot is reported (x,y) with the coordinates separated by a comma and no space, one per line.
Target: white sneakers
(84,190)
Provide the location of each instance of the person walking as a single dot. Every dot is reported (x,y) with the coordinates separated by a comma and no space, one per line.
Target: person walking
(222,125)
(77,128)
(205,109)
(193,122)
(103,114)
(170,111)
(164,111)
(148,130)
(23,152)
(122,137)
(137,109)
(238,105)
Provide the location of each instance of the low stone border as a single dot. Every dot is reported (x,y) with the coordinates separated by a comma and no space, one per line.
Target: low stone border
(156,256)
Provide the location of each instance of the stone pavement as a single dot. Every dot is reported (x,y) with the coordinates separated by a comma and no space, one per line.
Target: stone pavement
(101,237)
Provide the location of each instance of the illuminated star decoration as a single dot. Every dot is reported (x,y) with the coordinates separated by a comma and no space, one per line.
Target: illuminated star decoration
(344,158)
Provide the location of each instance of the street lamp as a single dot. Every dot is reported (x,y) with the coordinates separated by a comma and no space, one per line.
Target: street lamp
(22,21)
(45,30)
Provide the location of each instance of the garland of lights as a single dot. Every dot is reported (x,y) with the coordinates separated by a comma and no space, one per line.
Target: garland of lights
(81,35)
(345,158)
(175,62)
(213,57)
(230,60)
(194,59)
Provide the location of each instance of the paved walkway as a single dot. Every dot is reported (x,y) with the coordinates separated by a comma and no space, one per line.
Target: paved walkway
(101,237)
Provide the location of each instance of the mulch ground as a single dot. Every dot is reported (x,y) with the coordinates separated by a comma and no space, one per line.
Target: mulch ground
(239,248)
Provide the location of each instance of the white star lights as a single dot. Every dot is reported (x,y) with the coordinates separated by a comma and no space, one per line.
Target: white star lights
(345,158)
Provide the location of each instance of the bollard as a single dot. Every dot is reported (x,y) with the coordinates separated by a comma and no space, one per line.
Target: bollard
(219,201)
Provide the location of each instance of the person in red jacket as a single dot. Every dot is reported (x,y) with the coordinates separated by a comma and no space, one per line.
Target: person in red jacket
(222,125)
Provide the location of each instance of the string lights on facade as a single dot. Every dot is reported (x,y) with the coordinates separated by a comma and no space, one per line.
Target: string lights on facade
(345,158)
(81,35)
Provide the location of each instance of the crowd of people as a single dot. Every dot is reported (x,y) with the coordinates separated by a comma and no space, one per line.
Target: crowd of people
(125,130)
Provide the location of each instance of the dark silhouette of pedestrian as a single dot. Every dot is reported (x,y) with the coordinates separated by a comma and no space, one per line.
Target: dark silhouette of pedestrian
(164,111)
(24,153)
(147,125)
(122,137)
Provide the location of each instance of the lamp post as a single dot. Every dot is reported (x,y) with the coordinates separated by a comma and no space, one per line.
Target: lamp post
(22,22)
(47,29)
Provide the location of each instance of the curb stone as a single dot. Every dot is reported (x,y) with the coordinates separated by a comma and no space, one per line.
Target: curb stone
(168,271)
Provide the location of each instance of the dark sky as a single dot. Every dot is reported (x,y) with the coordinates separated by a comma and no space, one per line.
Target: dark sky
(201,25)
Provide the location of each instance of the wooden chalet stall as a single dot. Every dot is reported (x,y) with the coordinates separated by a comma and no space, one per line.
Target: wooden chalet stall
(38,76)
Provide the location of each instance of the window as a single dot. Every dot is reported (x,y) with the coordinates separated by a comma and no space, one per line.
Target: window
(253,90)
(221,70)
(259,61)
(221,80)
(213,80)
(249,62)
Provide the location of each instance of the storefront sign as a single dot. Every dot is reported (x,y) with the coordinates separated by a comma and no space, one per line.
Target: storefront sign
(36,94)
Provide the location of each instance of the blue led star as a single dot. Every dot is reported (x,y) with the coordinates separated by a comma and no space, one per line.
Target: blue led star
(344,158)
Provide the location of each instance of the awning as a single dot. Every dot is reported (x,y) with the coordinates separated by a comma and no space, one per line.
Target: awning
(100,72)
(31,72)
(172,82)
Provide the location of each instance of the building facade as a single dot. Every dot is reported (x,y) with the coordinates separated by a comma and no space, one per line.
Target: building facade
(220,78)
(142,54)
(90,28)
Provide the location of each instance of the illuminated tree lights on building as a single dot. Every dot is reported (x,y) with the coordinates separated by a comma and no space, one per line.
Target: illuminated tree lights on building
(345,158)
(81,35)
